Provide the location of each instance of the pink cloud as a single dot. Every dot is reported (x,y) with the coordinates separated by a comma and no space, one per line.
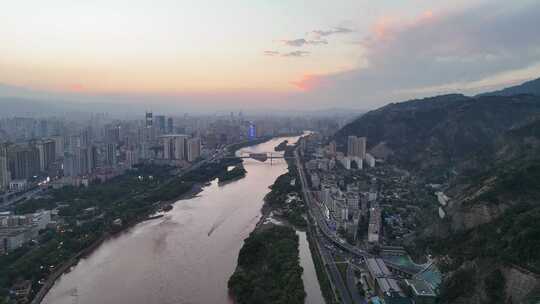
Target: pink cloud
(308,82)
(76,87)
(390,25)
(432,50)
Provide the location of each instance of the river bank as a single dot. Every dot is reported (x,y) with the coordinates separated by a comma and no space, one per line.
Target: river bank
(158,207)
(49,283)
(282,210)
(268,265)
(186,256)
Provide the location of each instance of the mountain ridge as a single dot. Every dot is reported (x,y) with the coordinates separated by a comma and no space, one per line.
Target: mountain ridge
(529,87)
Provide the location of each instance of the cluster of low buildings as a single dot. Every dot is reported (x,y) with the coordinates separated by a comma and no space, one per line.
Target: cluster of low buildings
(16,230)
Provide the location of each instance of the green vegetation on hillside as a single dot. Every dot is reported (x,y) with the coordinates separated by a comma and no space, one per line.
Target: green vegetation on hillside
(512,239)
(515,184)
(269,270)
(443,135)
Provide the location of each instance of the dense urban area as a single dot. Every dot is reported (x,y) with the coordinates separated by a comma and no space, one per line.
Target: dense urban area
(67,185)
(386,222)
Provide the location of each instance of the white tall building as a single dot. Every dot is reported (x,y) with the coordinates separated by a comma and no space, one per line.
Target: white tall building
(356,147)
(370,160)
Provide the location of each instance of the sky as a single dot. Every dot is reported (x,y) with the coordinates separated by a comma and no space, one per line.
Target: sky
(311,54)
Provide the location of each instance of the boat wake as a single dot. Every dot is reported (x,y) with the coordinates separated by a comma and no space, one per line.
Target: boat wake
(216,225)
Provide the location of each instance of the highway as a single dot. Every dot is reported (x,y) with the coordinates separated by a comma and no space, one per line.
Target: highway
(336,278)
(26,195)
(351,285)
(316,214)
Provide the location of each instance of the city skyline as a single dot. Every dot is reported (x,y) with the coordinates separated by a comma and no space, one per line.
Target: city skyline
(211,55)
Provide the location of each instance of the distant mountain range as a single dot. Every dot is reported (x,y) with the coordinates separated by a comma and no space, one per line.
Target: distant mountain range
(530,87)
(486,150)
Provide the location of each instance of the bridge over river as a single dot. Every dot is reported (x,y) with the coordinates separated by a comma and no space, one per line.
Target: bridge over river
(261,156)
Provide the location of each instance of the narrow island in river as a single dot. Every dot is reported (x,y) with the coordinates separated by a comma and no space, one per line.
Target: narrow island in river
(282,146)
(268,269)
(233,174)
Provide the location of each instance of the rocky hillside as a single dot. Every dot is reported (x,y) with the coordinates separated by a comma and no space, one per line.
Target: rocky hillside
(490,239)
(444,134)
(510,178)
(488,245)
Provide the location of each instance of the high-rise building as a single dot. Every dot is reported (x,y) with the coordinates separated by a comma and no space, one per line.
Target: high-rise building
(356,147)
(131,158)
(174,146)
(82,161)
(5,175)
(351,145)
(168,147)
(362,147)
(252,131)
(332,148)
(71,164)
(91,153)
(47,154)
(211,141)
(112,133)
(170,125)
(194,149)
(149,132)
(149,121)
(59,146)
(110,154)
(160,123)
(23,161)
(180,147)
(74,143)
(85,138)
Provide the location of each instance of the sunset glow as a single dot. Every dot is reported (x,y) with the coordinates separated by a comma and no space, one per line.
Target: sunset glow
(182,47)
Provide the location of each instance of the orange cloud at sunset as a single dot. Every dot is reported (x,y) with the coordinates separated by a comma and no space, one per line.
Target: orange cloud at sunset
(307,83)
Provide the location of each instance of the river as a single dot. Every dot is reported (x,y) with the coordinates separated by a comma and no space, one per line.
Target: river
(187,256)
